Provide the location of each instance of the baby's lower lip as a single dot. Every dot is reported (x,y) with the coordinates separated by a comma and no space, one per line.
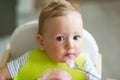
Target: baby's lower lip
(69,55)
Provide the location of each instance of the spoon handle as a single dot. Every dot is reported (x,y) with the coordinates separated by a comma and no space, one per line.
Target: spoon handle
(89,73)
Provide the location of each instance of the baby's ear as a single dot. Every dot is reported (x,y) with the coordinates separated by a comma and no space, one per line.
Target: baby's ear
(40,41)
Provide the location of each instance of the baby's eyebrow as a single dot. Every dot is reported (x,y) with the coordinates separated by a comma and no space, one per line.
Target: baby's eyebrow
(59,34)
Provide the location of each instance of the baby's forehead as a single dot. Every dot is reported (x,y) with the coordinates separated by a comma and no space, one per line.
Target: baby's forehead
(73,20)
(74,15)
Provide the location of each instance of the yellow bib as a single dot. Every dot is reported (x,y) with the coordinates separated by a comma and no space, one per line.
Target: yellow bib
(38,63)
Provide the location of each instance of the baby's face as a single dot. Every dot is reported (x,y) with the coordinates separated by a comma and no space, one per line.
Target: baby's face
(62,39)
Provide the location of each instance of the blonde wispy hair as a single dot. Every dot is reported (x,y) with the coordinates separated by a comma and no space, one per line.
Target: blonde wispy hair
(55,8)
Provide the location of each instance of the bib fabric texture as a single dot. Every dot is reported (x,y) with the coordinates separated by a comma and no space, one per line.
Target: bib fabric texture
(39,63)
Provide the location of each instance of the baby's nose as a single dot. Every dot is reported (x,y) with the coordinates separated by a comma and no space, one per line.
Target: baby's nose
(69,45)
(71,51)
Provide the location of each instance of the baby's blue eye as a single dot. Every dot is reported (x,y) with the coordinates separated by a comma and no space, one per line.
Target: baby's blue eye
(60,38)
(76,37)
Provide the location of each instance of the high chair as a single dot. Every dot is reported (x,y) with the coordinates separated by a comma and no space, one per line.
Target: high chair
(23,39)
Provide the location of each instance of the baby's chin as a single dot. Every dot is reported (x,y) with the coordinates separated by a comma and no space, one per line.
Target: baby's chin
(64,59)
(70,58)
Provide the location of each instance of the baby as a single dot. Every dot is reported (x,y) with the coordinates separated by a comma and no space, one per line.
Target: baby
(59,41)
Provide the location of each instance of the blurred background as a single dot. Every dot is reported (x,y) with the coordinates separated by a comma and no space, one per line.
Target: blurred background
(101,18)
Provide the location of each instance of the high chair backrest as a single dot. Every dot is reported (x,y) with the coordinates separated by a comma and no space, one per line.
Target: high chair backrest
(24,39)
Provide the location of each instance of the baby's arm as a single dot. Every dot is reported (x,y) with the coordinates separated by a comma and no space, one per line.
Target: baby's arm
(12,68)
(4,74)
